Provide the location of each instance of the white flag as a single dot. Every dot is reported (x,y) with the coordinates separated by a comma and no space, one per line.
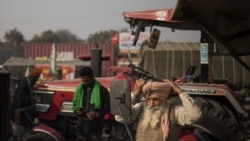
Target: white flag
(27,71)
(53,70)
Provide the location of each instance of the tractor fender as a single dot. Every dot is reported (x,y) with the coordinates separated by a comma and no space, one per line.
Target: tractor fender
(48,130)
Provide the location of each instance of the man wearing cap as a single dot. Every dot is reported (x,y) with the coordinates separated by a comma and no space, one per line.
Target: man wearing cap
(157,120)
(24,97)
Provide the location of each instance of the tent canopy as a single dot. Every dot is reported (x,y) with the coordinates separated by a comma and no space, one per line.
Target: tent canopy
(170,59)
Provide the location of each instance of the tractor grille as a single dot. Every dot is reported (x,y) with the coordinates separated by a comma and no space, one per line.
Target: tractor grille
(44,99)
(66,107)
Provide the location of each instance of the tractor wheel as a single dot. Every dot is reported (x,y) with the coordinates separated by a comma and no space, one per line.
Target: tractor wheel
(37,136)
(217,119)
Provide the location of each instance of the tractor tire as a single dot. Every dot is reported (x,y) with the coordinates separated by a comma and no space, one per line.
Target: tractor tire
(217,119)
(37,136)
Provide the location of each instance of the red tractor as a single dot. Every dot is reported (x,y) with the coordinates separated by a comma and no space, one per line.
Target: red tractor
(54,104)
(224,115)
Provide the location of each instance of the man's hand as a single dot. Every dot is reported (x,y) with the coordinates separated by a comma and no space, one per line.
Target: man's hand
(138,87)
(92,114)
(79,111)
(176,88)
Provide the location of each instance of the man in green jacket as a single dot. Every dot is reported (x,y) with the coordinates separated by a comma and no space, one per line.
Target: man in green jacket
(91,102)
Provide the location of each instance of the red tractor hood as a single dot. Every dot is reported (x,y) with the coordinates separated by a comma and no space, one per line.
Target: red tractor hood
(158,17)
(70,85)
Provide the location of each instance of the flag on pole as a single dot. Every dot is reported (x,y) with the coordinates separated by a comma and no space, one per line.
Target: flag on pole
(53,70)
(28,68)
(27,71)
(115,39)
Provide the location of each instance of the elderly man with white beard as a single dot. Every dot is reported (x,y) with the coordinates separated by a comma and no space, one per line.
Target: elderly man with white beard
(156,119)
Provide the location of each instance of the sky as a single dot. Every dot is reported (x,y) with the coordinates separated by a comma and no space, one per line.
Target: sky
(80,17)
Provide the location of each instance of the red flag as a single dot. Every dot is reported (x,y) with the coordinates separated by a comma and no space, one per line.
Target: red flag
(114,39)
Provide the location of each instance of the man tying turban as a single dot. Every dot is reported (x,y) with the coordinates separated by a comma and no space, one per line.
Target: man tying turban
(24,97)
(156,119)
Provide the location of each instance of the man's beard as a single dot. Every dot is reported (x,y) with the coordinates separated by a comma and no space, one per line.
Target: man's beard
(152,117)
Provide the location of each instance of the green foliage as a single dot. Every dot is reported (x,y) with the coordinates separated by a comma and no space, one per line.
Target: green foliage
(64,36)
(14,37)
(14,43)
(60,36)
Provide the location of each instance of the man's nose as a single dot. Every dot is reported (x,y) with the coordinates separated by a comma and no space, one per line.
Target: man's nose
(151,102)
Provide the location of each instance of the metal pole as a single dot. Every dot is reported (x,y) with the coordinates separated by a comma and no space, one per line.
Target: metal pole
(4,108)
(125,123)
(96,61)
(206,44)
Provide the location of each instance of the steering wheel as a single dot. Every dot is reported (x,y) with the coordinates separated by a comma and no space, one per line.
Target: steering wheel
(139,72)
